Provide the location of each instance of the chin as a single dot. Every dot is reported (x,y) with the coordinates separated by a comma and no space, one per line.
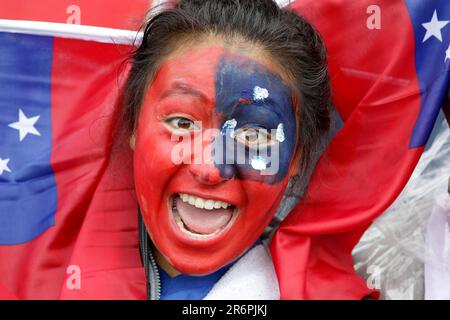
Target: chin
(197,269)
(201,231)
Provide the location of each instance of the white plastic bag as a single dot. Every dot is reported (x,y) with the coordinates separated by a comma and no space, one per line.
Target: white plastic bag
(392,253)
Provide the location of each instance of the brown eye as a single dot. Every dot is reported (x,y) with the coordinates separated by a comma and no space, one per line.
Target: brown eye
(254,138)
(181,123)
(251,136)
(184,124)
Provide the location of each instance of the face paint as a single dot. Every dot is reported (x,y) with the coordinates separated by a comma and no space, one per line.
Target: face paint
(280,133)
(229,126)
(260,93)
(201,216)
(258,99)
(259,163)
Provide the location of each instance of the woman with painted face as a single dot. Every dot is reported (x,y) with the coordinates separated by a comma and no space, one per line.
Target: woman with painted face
(226,102)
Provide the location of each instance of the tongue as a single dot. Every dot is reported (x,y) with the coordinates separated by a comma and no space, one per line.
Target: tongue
(201,220)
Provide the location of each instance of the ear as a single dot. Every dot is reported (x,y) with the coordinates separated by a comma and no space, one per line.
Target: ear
(133,141)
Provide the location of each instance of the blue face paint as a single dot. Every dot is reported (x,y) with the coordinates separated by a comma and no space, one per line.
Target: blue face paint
(248,95)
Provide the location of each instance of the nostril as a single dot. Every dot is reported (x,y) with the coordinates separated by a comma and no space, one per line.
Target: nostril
(205,173)
(227,171)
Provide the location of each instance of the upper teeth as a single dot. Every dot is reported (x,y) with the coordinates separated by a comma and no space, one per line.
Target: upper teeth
(201,203)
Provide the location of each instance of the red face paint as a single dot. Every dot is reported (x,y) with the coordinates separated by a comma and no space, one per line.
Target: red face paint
(186,86)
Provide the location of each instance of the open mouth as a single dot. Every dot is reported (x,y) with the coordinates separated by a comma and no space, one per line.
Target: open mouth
(201,218)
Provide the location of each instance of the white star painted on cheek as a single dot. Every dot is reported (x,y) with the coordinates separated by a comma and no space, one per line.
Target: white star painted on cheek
(4,166)
(434,27)
(447,54)
(25,125)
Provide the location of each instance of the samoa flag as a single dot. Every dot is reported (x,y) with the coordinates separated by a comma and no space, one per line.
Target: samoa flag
(65,209)
(389,62)
(28,195)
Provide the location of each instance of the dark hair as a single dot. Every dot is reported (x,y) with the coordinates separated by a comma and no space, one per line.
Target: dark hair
(286,36)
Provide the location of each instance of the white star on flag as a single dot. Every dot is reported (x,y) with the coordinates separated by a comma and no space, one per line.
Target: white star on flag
(447,54)
(25,125)
(434,27)
(4,166)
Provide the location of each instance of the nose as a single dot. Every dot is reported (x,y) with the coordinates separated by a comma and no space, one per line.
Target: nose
(206,173)
(210,169)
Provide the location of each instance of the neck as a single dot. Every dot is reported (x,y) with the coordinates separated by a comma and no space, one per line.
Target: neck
(165,265)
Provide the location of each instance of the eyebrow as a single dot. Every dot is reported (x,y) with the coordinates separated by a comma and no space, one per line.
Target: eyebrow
(178,88)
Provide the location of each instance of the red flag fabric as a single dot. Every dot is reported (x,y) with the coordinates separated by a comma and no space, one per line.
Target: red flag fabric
(89,247)
(381,91)
(117,14)
(389,79)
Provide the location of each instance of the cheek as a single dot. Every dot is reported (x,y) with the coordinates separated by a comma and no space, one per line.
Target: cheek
(150,156)
(153,165)
(263,202)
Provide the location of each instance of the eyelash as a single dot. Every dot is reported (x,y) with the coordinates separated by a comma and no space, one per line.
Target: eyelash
(264,137)
(174,125)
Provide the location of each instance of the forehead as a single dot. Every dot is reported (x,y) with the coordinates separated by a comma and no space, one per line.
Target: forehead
(222,77)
